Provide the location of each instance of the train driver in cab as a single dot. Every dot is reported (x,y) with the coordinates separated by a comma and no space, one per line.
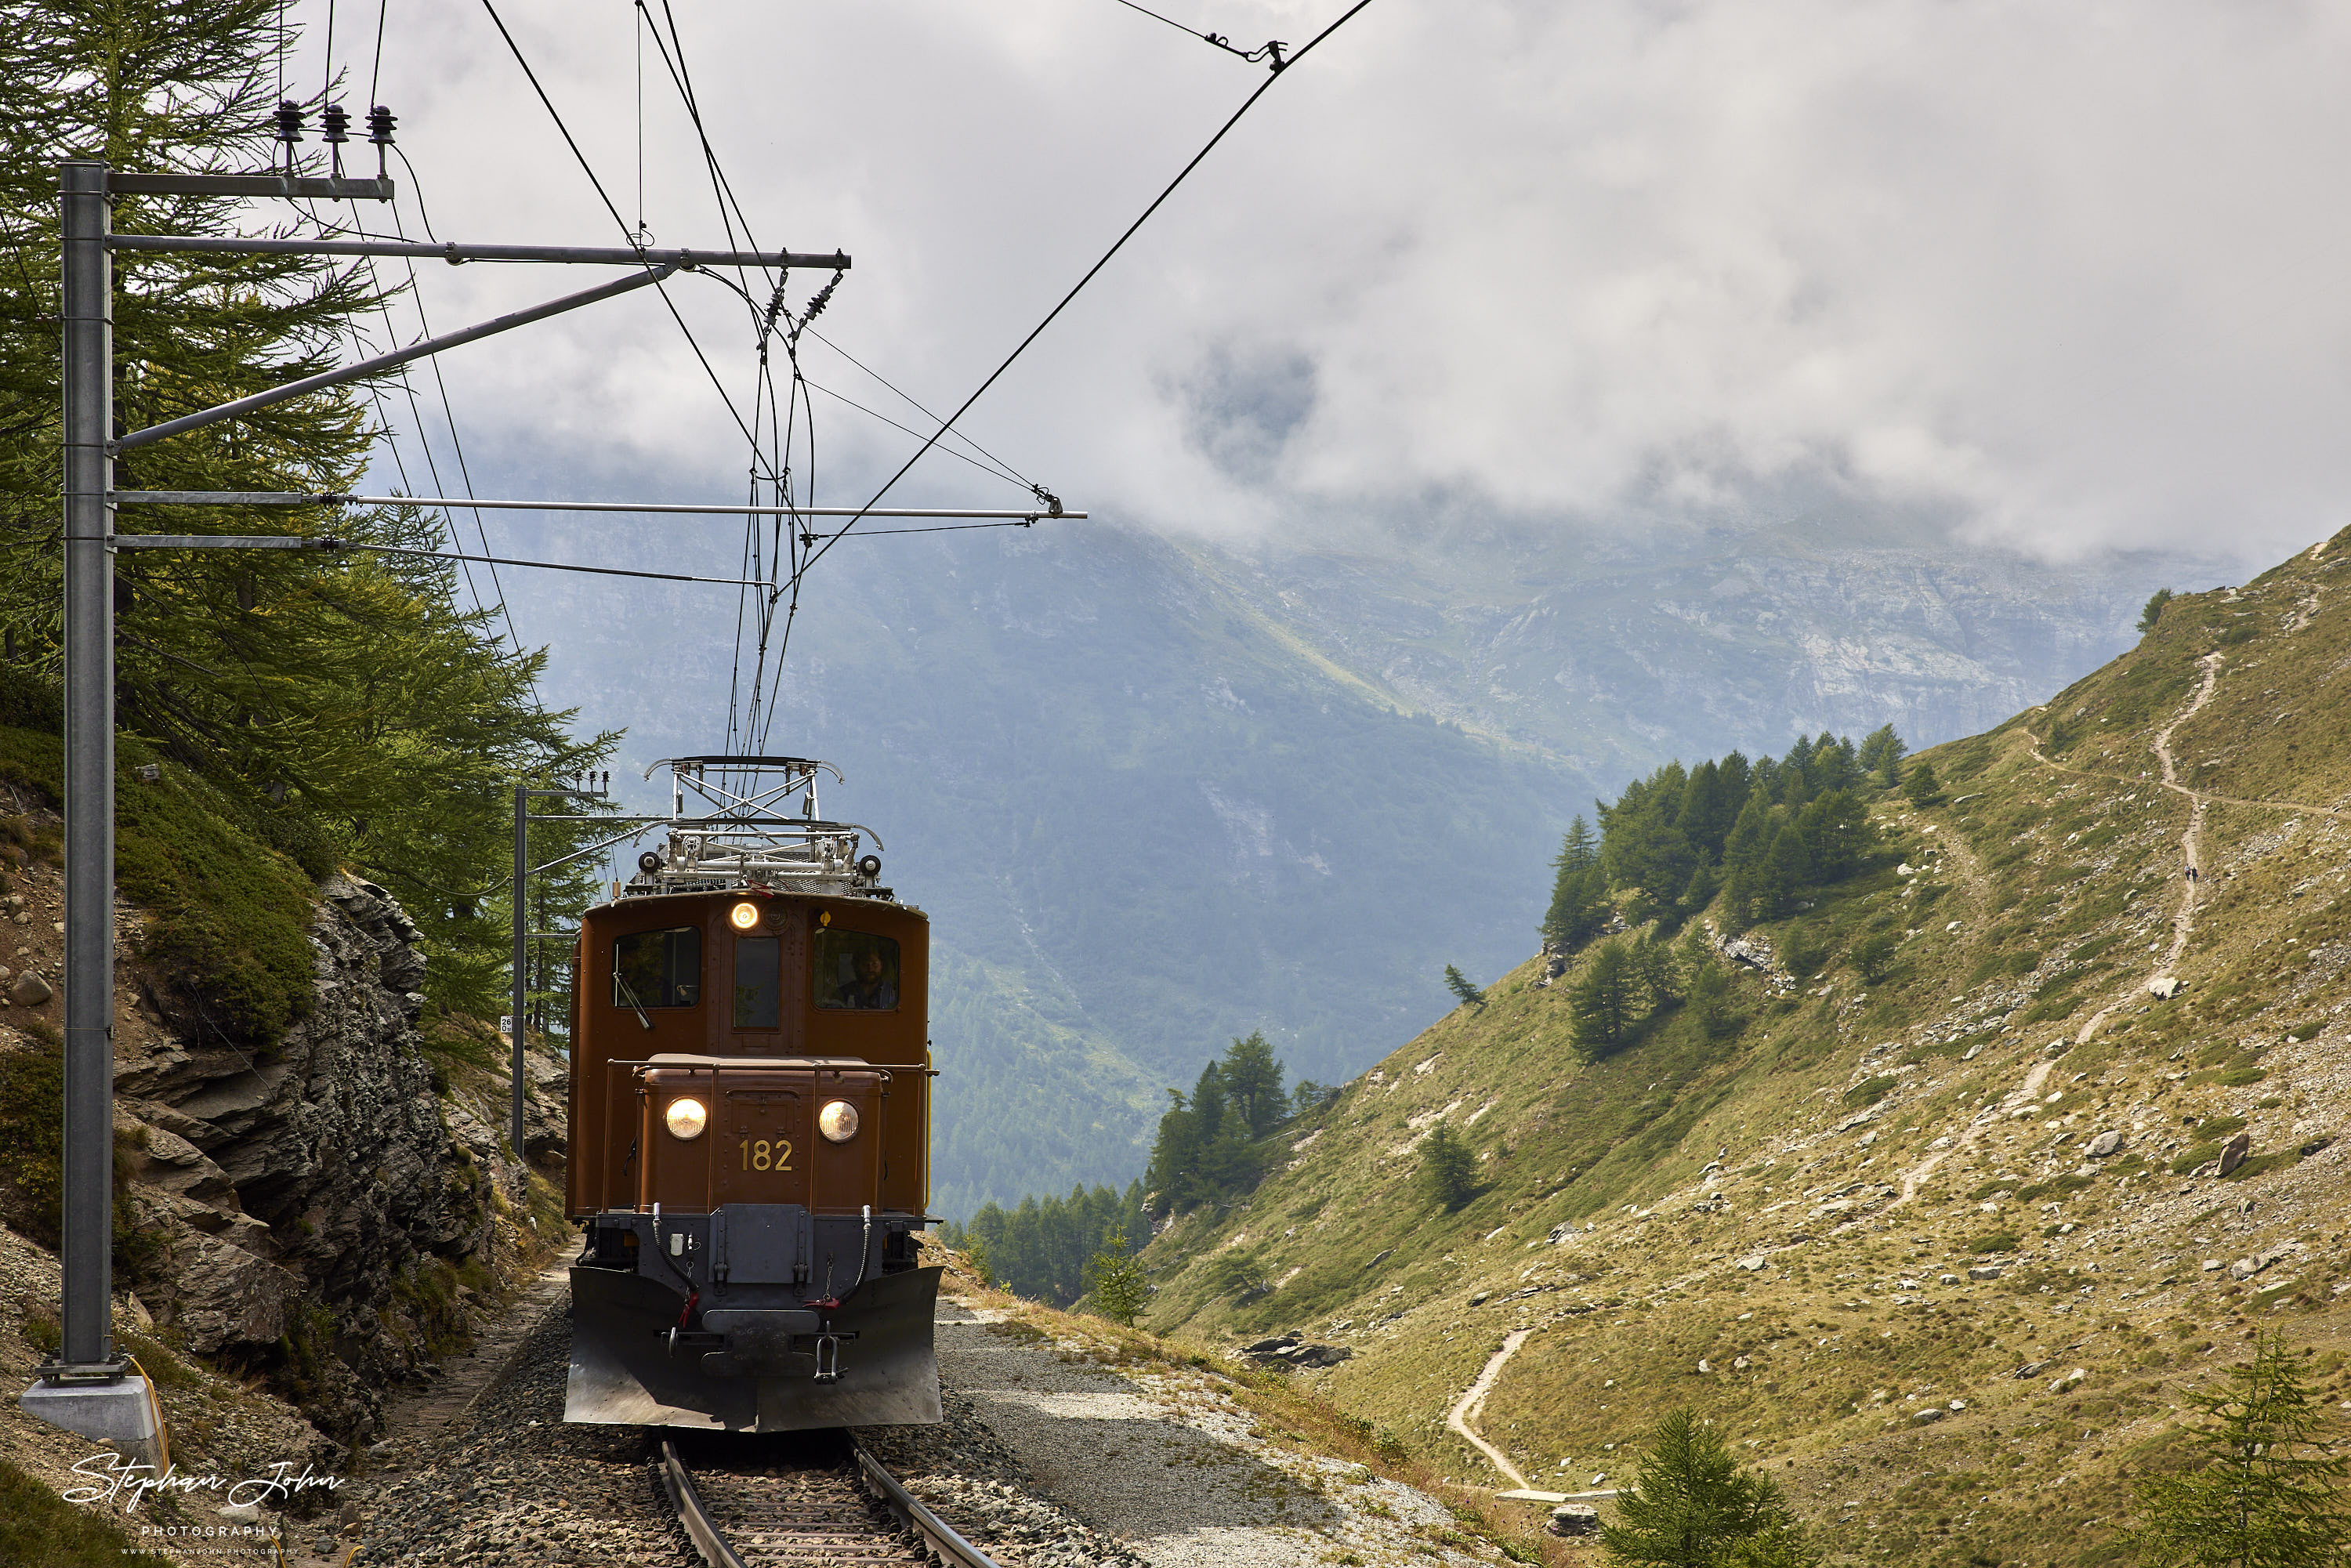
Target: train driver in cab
(869,987)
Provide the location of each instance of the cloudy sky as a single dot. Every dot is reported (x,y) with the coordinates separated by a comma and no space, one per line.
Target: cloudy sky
(2070,275)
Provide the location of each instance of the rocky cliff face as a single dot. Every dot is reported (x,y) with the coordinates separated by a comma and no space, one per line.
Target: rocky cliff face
(329,1209)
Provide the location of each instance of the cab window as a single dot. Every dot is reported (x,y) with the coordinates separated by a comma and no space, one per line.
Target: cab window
(758,981)
(856,970)
(658,968)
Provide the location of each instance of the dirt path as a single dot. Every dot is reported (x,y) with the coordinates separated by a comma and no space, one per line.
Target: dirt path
(1470,1406)
(2270,803)
(2183,924)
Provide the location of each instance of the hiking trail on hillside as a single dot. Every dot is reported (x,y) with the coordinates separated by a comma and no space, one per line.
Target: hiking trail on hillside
(2183,926)
(1966,869)
(1473,1404)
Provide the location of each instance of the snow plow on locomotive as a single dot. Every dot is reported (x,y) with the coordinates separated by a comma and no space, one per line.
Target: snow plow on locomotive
(750,1125)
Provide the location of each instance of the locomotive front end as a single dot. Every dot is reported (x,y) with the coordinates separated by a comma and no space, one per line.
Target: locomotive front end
(750,1120)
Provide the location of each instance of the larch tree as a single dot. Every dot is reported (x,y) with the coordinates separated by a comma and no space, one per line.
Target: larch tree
(2267,1491)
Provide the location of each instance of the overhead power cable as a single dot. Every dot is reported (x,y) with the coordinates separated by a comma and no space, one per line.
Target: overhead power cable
(1270,49)
(620,223)
(553,565)
(1116,245)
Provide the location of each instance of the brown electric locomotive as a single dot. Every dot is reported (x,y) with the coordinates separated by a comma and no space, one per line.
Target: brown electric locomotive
(751,1124)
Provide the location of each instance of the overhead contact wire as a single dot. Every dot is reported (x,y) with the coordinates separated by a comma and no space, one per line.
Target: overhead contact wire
(1116,245)
(619,222)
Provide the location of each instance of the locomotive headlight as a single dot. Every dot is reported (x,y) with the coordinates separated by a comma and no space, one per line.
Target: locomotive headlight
(838,1120)
(744,916)
(685,1119)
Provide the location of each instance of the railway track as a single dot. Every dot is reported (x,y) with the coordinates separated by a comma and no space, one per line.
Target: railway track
(803,1500)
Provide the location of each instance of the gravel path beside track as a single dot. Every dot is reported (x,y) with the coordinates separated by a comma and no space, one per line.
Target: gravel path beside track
(1166,1461)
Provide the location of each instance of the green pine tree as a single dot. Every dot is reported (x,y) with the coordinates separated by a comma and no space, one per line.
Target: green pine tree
(2268,1492)
(346,705)
(1693,1506)
(1578,903)
(1449,1169)
(1252,1079)
(1919,785)
(1787,866)
(1458,984)
(2153,610)
(1712,1004)
(1881,754)
(1115,1287)
(1602,1004)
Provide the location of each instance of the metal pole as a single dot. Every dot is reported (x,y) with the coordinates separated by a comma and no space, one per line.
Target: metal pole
(87,378)
(521,946)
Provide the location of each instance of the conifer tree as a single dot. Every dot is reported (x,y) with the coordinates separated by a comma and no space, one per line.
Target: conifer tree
(1836,834)
(1881,755)
(1252,1083)
(1711,1003)
(1919,785)
(1692,1505)
(1742,861)
(1578,906)
(348,707)
(1786,867)
(1657,973)
(1458,984)
(1602,1004)
(1448,1170)
(1116,1286)
(2267,1492)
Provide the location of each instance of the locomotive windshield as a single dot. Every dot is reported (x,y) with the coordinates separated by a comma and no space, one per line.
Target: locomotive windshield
(856,970)
(658,968)
(758,981)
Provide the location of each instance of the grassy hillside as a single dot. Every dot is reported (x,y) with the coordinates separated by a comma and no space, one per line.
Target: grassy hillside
(1813,1209)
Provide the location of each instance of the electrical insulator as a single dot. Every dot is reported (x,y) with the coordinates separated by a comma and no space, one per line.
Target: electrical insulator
(335,123)
(380,124)
(290,123)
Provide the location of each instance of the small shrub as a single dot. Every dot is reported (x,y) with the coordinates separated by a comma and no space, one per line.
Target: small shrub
(1992,1241)
(1873,957)
(1869,1091)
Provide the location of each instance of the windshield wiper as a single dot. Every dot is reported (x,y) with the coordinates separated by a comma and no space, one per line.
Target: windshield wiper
(630,991)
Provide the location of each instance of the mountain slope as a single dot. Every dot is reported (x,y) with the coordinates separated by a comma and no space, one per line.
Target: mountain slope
(1156,797)
(1796,1230)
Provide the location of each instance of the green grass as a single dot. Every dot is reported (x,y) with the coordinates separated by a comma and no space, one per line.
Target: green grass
(1869,1091)
(37,1526)
(32,1154)
(228,914)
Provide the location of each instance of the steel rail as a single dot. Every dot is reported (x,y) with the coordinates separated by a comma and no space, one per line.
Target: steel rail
(952,1548)
(678,1481)
(939,1538)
